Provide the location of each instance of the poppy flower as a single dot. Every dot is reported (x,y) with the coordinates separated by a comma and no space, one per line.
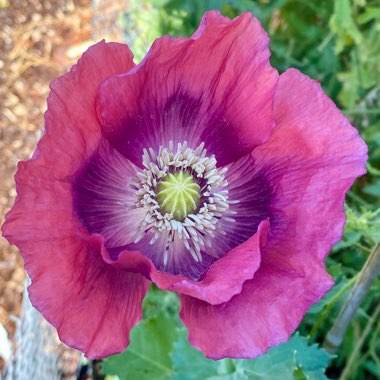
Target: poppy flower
(202,170)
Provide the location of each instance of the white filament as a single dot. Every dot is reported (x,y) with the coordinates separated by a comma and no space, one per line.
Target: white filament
(198,229)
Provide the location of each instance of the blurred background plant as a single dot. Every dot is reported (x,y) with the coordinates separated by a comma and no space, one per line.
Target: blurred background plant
(336,42)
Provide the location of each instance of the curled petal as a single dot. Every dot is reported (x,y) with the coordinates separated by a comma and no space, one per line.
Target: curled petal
(224,278)
(264,314)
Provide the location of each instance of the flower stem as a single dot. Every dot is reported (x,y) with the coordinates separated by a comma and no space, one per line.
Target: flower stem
(355,352)
(326,312)
(365,280)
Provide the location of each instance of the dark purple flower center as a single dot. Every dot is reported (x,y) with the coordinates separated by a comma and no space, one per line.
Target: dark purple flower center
(184,196)
(178,208)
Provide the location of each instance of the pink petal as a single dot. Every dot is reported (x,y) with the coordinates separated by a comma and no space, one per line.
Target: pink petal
(264,314)
(223,280)
(93,305)
(75,290)
(311,160)
(71,120)
(216,87)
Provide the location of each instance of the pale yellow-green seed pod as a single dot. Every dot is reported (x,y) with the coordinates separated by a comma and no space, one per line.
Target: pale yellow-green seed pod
(178,194)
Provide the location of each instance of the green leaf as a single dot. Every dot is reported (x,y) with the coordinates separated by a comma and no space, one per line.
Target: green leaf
(292,360)
(367,223)
(279,363)
(373,170)
(147,357)
(189,363)
(370,13)
(159,302)
(373,189)
(312,360)
(344,26)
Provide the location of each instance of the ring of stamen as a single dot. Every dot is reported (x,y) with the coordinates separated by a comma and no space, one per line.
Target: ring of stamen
(184,194)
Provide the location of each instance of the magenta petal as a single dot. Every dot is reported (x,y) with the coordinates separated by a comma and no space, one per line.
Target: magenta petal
(223,280)
(264,314)
(71,285)
(216,87)
(71,120)
(310,161)
(312,158)
(89,299)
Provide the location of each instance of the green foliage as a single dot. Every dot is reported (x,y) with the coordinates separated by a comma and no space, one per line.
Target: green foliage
(343,25)
(362,226)
(157,302)
(336,42)
(148,354)
(160,350)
